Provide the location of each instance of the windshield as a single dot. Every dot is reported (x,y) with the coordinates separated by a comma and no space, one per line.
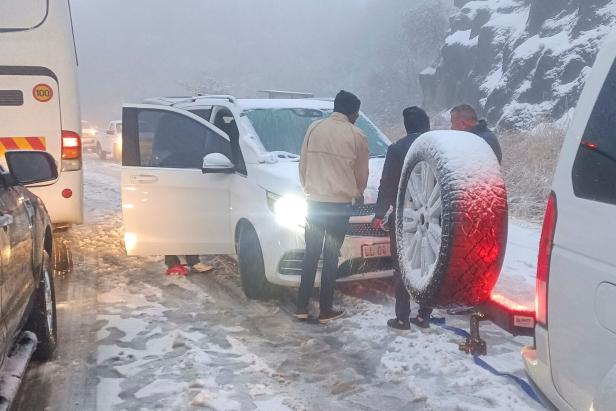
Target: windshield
(284,129)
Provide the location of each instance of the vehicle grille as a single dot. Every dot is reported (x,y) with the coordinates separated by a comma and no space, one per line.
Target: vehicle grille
(11,98)
(291,264)
(365,229)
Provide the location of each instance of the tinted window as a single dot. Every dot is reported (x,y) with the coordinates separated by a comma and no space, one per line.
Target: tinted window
(594,171)
(21,14)
(170,140)
(204,113)
(285,129)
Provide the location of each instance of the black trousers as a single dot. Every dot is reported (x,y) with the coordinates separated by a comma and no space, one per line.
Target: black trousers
(171,260)
(403,298)
(326,227)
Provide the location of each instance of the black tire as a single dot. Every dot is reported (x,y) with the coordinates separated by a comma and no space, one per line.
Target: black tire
(43,320)
(62,260)
(101,154)
(252,267)
(473,221)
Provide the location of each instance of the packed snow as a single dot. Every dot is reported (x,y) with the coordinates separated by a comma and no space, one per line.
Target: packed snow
(198,343)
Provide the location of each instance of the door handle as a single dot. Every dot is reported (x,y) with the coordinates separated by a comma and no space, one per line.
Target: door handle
(144,179)
(6,220)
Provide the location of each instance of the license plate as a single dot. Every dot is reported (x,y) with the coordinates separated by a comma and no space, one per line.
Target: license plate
(376,251)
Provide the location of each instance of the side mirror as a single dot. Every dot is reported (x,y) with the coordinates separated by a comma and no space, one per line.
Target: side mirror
(31,167)
(217,163)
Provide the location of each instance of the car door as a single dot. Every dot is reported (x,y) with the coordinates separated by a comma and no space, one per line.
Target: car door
(16,218)
(169,205)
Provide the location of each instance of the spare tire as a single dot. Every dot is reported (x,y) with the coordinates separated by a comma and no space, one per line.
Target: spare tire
(451,223)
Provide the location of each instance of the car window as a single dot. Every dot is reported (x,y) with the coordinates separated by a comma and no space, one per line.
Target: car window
(171,140)
(204,113)
(284,129)
(594,170)
(16,15)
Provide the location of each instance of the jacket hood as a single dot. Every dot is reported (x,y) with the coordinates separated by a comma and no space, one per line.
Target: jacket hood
(282,178)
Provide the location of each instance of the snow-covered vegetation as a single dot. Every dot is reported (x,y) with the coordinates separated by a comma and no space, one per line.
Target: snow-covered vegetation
(529,162)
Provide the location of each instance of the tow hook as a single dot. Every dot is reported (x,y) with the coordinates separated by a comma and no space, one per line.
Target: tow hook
(474,345)
(516,319)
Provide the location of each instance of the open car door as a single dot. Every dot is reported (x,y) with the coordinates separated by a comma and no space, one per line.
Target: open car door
(171,206)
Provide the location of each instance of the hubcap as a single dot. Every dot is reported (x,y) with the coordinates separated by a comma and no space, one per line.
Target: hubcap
(421,227)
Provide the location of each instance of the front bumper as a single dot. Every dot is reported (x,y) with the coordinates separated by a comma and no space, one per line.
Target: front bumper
(283,251)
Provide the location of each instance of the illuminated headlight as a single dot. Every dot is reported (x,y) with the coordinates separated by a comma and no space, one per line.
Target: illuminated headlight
(290,210)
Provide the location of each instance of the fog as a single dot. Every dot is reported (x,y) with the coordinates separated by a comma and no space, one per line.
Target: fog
(129,50)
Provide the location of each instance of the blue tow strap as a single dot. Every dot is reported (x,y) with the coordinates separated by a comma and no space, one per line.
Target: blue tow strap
(526,387)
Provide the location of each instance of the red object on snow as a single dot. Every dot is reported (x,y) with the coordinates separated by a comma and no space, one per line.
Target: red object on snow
(178,270)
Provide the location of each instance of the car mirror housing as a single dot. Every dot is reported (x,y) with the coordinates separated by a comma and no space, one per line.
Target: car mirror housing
(31,167)
(217,163)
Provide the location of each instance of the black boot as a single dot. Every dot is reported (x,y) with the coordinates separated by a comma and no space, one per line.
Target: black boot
(398,324)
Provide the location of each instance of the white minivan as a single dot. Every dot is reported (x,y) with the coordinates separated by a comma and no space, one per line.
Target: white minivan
(39,105)
(573,361)
(219,175)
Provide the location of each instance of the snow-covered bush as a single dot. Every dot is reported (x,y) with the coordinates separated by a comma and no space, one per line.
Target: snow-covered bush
(529,162)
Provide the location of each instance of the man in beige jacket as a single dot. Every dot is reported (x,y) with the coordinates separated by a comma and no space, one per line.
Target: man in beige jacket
(334,173)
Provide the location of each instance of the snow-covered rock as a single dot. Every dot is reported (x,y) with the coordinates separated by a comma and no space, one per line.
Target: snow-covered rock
(519,61)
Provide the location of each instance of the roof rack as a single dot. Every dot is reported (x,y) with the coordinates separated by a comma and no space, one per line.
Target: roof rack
(230,98)
(286,94)
(166,101)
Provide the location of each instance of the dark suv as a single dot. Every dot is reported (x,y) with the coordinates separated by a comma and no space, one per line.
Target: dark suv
(28,324)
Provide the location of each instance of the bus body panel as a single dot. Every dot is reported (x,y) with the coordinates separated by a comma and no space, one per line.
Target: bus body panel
(44,56)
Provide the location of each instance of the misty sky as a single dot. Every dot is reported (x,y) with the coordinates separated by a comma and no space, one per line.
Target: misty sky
(133,49)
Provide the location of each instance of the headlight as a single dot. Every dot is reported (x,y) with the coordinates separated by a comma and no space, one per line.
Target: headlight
(290,210)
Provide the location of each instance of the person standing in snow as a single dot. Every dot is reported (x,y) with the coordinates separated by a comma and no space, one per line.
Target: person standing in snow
(464,118)
(333,172)
(416,122)
(175,267)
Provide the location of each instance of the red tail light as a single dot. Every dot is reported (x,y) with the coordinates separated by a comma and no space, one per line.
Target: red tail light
(71,145)
(543,263)
(71,151)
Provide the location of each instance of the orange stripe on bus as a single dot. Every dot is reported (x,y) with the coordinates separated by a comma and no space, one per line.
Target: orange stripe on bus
(37,143)
(21,143)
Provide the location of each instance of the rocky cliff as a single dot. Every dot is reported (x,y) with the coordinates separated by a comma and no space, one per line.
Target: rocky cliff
(519,61)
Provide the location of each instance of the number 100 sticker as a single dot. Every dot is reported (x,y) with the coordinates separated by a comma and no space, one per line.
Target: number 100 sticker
(42,93)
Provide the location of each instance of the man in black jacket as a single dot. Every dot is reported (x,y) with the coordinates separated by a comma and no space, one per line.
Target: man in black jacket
(416,122)
(464,118)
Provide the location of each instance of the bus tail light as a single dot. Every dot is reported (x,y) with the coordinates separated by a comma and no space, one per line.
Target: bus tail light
(71,151)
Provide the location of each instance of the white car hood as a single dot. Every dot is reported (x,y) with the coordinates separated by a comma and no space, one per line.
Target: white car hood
(282,178)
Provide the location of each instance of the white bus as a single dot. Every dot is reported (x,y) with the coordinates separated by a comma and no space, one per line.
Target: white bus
(39,103)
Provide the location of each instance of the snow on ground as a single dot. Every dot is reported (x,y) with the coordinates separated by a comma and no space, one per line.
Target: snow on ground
(198,343)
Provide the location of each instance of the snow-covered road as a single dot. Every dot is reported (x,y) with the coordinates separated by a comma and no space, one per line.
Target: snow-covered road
(131,338)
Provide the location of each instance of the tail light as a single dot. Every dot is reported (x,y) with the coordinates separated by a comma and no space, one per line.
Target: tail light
(71,151)
(543,263)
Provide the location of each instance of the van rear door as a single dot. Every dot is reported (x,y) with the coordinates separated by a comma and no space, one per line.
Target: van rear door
(582,282)
(30,111)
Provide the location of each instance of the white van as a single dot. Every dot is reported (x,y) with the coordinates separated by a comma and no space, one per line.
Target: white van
(573,361)
(39,104)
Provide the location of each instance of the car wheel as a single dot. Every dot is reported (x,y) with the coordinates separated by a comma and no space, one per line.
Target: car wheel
(62,261)
(252,267)
(43,320)
(101,154)
(452,220)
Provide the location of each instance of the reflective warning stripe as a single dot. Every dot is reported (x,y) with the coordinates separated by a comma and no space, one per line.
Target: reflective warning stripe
(22,143)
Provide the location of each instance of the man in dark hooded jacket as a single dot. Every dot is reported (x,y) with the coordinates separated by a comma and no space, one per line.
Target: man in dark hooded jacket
(416,122)
(464,118)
